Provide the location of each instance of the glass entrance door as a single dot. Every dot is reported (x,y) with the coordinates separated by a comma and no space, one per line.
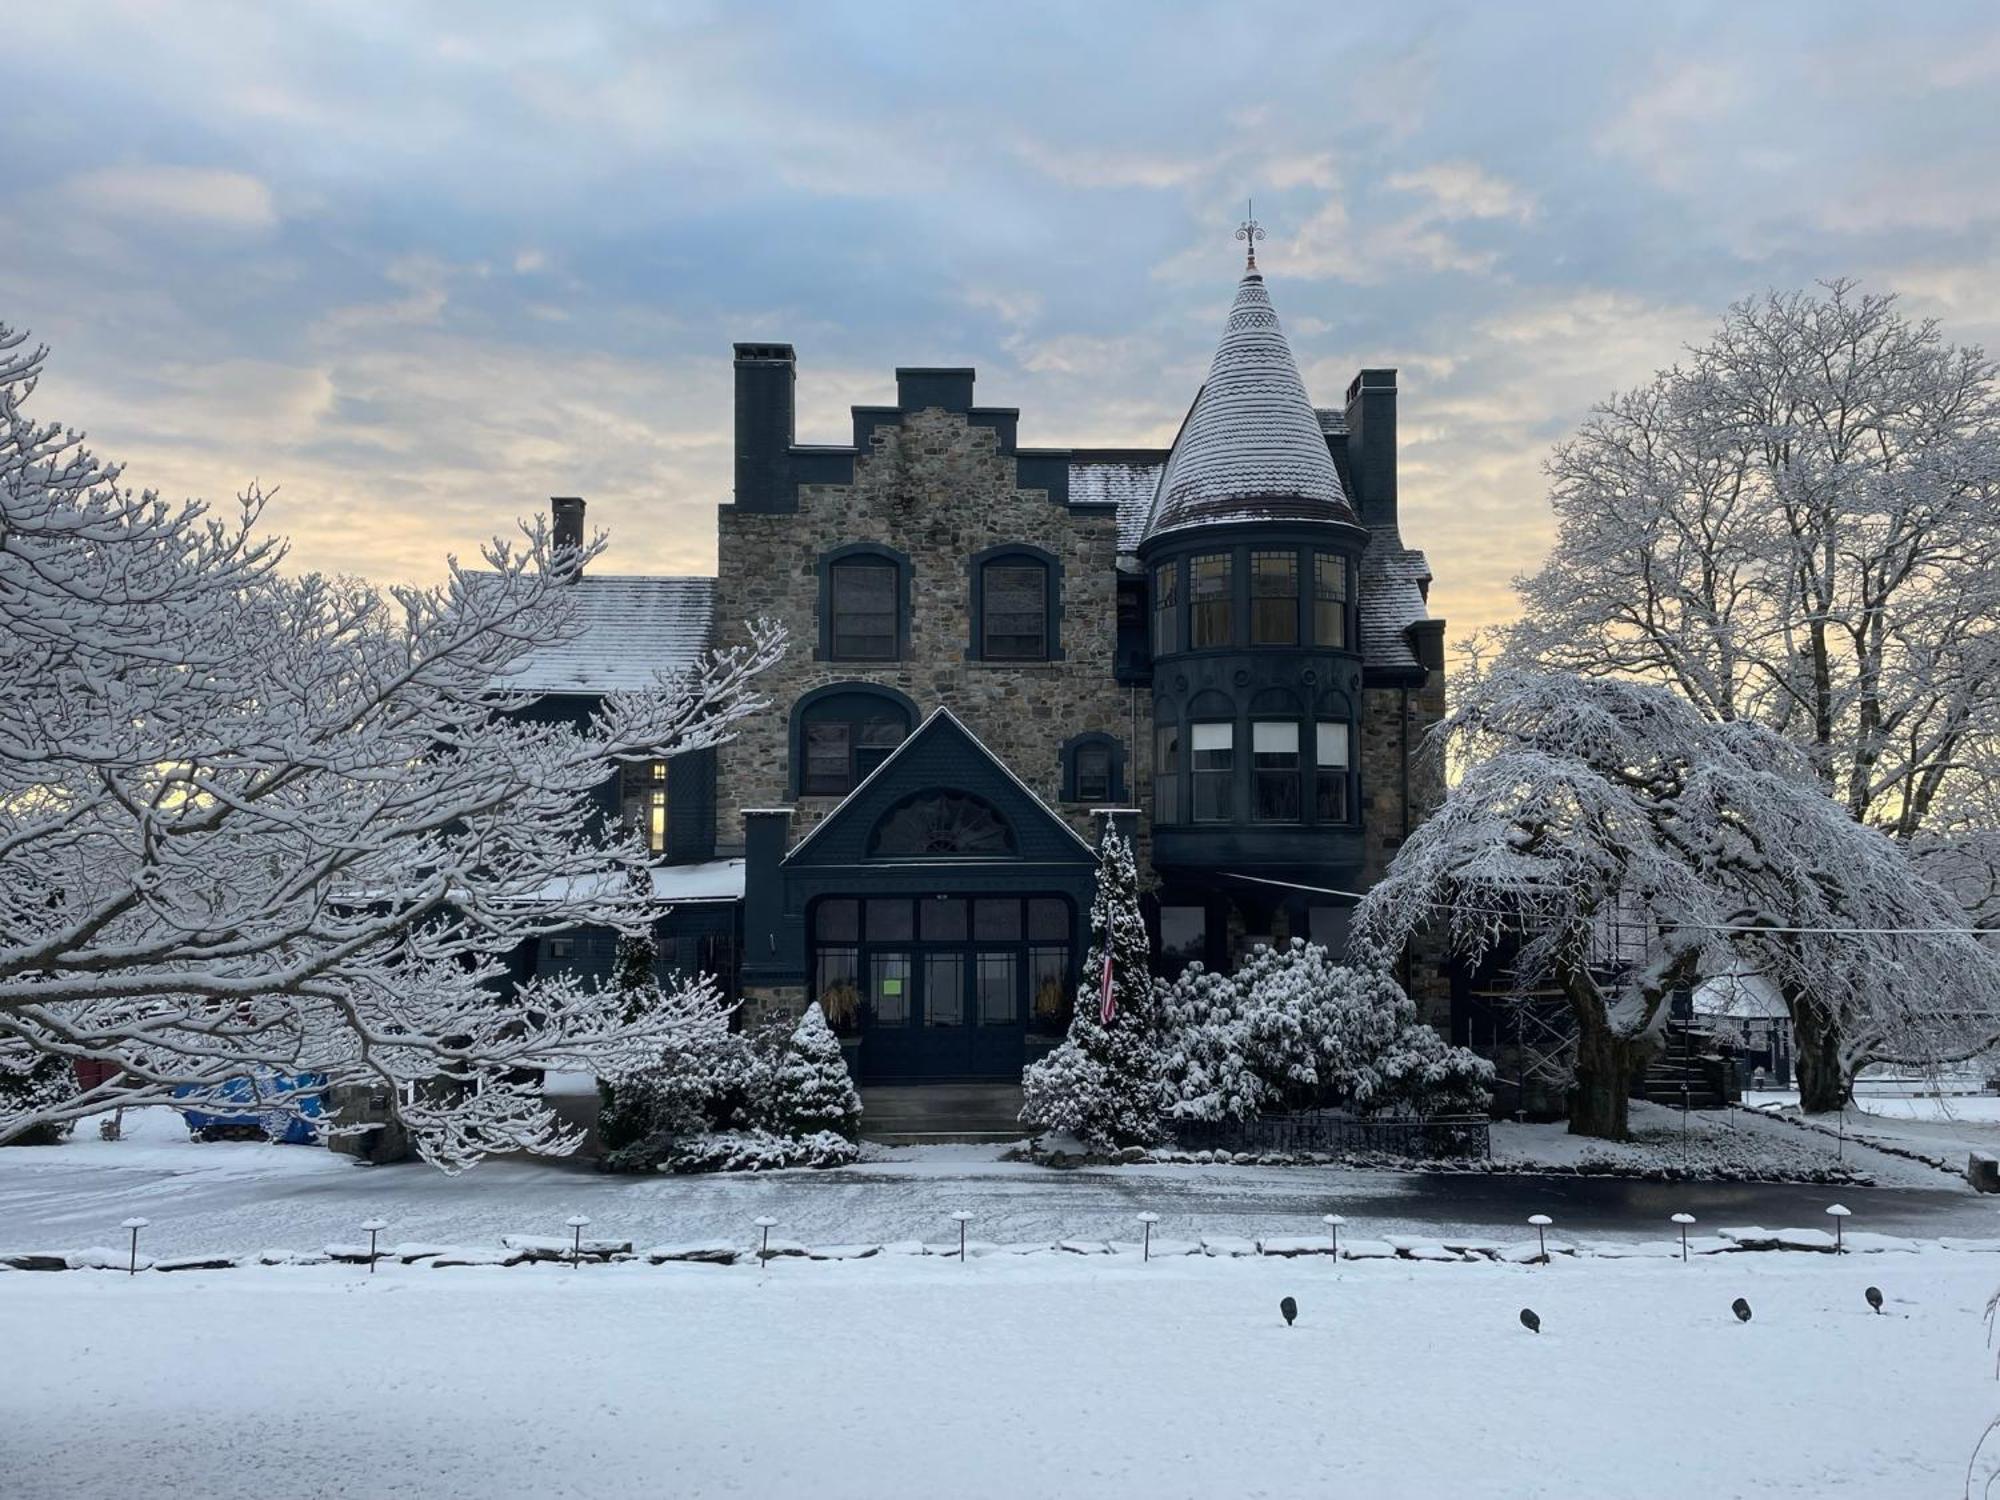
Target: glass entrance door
(939,987)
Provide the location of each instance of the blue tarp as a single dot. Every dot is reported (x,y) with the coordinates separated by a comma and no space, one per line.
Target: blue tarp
(291,1100)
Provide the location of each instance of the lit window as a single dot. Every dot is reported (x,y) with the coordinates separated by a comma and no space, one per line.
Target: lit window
(1213,749)
(645,803)
(1331,773)
(1274,759)
(1329,599)
(1211,593)
(1274,598)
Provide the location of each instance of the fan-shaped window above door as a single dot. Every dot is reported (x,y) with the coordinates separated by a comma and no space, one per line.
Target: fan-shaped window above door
(942,825)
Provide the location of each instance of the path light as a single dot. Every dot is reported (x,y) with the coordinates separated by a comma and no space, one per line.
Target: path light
(1333,1223)
(765,1223)
(1149,1219)
(1742,1310)
(374,1227)
(135,1225)
(577,1224)
(1684,1220)
(964,1217)
(1541,1223)
(1289,1308)
(1529,1321)
(1839,1211)
(1874,1296)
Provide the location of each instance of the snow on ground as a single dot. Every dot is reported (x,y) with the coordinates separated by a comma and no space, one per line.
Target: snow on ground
(239,1197)
(1732,1143)
(1004,1377)
(1941,1129)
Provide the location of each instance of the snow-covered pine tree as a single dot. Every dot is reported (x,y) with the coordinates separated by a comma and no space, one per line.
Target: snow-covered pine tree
(811,1089)
(1104,1083)
(42,1085)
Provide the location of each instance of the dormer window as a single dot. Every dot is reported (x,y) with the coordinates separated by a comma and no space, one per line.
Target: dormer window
(645,803)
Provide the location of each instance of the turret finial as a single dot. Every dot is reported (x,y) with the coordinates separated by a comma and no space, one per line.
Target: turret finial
(1250,231)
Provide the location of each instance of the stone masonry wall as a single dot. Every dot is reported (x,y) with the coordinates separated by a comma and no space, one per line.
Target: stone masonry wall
(936,489)
(1389,722)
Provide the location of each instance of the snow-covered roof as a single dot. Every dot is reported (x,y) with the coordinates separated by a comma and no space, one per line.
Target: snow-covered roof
(709,880)
(1332,420)
(1124,479)
(1393,579)
(1253,447)
(627,630)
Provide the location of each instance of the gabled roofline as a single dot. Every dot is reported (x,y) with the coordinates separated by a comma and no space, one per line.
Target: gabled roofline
(945,713)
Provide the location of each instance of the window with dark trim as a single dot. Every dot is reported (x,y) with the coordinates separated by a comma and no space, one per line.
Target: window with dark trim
(1329,599)
(864,609)
(1274,598)
(1183,937)
(1093,767)
(1167,773)
(1274,765)
(1014,610)
(645,803)
(1211,598)
(1330,774)
(1212,748)
(843,734)
(1166,609)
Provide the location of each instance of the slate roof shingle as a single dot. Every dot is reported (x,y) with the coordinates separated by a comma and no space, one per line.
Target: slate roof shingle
(628,629)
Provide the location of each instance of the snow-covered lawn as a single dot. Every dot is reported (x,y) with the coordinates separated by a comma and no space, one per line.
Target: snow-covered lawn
(1003,1377)
(241,1198)
(1941,1129)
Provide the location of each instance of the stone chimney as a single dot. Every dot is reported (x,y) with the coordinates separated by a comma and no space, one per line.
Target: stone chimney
(765,378)
(567,511)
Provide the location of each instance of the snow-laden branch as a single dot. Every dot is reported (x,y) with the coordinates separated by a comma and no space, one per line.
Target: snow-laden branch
(257,825)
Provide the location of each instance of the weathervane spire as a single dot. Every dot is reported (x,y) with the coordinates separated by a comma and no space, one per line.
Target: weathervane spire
(1250,231)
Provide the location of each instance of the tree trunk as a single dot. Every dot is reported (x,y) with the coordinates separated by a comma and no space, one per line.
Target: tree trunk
(1605,1063)
(1823,1082)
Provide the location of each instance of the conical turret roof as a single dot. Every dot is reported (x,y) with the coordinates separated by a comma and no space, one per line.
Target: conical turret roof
(1252,448)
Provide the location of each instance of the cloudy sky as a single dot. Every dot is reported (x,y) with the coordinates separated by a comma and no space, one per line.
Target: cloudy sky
(419,267)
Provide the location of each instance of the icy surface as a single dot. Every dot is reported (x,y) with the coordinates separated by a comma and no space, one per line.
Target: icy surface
(633,1379)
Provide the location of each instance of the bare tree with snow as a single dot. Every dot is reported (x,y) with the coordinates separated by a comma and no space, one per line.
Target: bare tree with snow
(1610,842)
(258,826)
(1797,528)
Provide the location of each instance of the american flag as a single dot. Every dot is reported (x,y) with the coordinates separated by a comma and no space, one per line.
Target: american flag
(1106,1006)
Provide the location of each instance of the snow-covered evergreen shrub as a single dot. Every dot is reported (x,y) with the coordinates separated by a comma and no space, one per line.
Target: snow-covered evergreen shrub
(811,1089)
(759,1151)
(1103,1084)
(1292,1030)
(694,1083)
(46,1082)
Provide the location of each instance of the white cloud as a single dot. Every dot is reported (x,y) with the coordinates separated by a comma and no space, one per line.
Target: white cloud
(205,196)
(1466,190)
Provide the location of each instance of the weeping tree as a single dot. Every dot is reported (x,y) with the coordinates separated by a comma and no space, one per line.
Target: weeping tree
(263,827)
(1609,842)
(1793,528)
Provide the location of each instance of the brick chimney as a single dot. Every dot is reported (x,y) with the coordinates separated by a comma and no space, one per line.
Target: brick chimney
(567,511)
(765,377)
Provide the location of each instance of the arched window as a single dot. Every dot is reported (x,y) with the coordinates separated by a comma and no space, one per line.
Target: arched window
(864,612)
(1093,769)
(938,824)
(1016,604)
(842,732)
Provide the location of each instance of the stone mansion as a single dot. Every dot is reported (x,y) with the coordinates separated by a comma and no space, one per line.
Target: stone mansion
(1224,644)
